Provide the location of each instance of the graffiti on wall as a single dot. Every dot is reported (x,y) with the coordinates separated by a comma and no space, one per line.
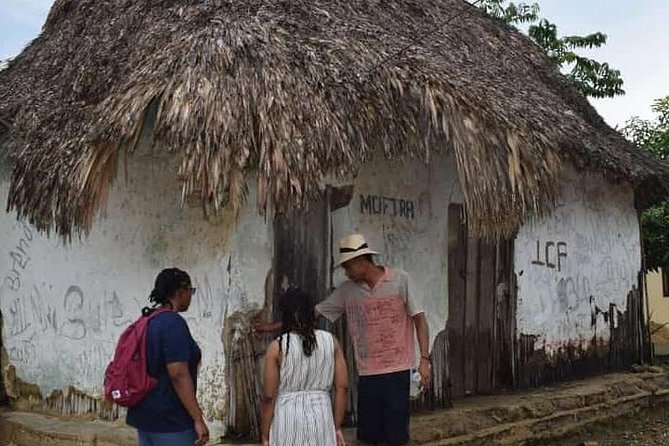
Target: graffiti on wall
(19,257)
(551,255)
(389,206)
(31,316)
(577,263)
(64,333)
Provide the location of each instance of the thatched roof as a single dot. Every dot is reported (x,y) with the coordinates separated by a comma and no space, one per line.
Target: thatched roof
(285,92)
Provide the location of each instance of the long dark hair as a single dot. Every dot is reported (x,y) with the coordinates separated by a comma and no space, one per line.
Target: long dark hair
(297,308)
(168,282)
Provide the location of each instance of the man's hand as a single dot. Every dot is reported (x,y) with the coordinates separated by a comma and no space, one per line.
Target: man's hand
(422,332)
(261,327)
(202,433)
(424,369)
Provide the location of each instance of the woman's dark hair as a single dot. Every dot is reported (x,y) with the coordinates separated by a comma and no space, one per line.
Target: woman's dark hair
(168,281)
(297,308)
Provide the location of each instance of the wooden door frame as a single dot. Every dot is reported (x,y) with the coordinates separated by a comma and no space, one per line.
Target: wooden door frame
(482,310)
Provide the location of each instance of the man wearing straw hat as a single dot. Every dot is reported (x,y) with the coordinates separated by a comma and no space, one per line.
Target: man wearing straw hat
(382,314)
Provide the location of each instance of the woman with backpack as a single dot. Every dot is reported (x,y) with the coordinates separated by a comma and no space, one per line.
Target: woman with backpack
(170,415)
(301,368)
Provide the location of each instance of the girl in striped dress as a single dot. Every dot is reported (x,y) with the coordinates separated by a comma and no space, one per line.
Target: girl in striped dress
(301,368)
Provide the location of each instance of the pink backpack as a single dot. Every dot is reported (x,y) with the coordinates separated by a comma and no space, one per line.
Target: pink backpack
(127,380)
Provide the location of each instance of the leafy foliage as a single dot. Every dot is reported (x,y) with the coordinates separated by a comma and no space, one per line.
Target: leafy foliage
(653,137)
(592,78)
(655,235)
(511,12)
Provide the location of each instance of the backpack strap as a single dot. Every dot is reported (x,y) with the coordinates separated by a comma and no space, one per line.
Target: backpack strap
(151,312)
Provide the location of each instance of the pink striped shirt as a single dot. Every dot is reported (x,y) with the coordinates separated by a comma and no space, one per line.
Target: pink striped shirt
(380,321)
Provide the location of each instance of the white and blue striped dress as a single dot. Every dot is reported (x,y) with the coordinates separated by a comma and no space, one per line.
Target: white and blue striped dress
(303,410)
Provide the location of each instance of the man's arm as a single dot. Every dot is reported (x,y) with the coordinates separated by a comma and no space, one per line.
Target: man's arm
(269,327)
(423,334)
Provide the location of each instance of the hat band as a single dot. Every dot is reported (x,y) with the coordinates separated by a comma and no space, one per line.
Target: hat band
(344,250)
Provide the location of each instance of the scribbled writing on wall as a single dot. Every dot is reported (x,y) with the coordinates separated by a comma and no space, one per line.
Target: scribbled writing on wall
(396,244)
(205,300)
(392,207)
(22,353)
(93,359)
(28,312)
(19,259)
(573,291)
(550,255)
(566,290)
(74,326)
(82,315)
(210,303)
(27,316)
(31,317)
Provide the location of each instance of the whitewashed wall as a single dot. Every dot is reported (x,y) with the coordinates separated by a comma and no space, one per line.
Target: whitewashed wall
(402,209)
(585,255)
(65,306)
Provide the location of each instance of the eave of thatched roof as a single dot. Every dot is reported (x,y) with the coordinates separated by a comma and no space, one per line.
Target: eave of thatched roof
(284,90)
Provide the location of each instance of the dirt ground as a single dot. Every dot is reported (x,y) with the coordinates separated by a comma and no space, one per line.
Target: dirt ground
(507,418)
(647,428)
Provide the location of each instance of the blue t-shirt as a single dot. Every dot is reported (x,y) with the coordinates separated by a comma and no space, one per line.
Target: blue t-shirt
(168,340)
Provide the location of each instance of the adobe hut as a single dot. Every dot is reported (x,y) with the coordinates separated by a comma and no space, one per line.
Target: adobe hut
(239,140)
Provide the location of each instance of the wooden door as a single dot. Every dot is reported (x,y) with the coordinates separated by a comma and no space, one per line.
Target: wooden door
(301,251)
(303,258)
(481,315)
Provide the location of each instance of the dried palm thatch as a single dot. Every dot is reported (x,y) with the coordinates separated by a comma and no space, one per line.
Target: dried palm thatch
(282,92)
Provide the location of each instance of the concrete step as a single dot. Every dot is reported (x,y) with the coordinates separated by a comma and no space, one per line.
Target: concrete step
(546,414)
(512,419)
(32,429)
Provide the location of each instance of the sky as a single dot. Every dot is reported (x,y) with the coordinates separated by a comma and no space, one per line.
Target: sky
(638,43)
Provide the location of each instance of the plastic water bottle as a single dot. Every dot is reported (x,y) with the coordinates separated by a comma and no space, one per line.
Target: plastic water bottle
(415,388)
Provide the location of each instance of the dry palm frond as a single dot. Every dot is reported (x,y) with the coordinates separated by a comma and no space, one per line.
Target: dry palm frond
(284,91)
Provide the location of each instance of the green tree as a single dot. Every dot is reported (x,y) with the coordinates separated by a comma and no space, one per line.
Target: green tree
(510,12)
(594,79)
(653,137)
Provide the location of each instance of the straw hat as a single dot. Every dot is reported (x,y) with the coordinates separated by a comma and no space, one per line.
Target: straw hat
(353,246)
